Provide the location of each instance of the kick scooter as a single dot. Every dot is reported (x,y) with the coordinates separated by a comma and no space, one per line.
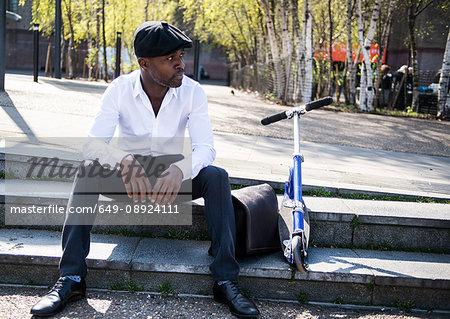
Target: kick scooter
(293,222)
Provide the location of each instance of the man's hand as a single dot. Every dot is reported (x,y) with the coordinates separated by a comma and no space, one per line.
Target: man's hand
(167,186)
(135,179)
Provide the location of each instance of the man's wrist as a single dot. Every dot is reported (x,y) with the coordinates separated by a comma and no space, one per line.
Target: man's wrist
(128,157)
(181,171)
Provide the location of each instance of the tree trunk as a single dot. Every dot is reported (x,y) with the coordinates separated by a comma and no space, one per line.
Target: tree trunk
(413,56)
(97,45)
(275,49)
(72,63)
(330,56)
(351,71)
(308,38)
(299,52)
(89,40)
(444,85)
(146,10)
(105,61)
(287,51)
(366,93)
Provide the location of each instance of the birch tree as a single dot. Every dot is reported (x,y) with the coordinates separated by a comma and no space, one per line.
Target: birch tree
(274,47)
(299,53)
(350,97)
(366,88)
(444,85)
(307,36)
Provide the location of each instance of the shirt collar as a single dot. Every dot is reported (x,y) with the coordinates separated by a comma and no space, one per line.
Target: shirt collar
(138,89)
(138,85)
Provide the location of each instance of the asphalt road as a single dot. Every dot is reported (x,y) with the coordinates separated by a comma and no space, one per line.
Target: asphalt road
(241,112)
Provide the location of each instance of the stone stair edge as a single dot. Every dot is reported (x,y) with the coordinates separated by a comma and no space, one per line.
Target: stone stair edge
(249,269)
(346,215)
(238,180)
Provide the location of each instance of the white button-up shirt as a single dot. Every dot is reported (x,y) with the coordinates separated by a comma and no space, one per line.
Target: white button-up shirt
(126,106)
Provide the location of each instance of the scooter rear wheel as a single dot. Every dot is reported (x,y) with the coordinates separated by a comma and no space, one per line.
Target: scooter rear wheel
(299,254)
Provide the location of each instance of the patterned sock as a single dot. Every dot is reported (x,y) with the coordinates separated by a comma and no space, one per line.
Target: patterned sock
(222,282)
(74,278)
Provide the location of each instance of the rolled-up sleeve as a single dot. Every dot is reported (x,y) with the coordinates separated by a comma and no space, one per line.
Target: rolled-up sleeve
(105,122)
(200,132)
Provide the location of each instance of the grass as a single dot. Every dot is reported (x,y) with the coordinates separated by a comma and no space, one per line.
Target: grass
(293,270)
(128,285)
(246,292)
(185,235)
(202,293)
(385,246)
(123,232)
(323,192)
(302,298)
(132,286)
(355,109)
(166,289)
(116,286)
(32,283)
(396,198)
(177,234)
(371,286)
(355,222)
(405,305)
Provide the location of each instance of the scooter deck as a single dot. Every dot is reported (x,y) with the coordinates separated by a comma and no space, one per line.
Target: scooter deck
(286,223)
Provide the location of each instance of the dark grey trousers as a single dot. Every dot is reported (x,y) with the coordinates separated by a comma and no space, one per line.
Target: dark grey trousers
(211,183)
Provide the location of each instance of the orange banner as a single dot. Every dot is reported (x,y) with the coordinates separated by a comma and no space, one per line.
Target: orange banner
(339,53)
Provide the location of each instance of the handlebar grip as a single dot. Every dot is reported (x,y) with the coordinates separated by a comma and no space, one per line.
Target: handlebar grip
(318,103)
(274,118)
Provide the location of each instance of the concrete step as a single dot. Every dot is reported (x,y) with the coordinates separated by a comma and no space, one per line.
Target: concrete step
(334,221)
(31,161)
(336,275)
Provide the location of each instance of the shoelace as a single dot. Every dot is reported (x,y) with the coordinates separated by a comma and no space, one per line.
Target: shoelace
(57,286)
(235,288)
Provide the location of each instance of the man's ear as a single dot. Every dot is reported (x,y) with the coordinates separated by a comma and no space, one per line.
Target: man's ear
(143,63)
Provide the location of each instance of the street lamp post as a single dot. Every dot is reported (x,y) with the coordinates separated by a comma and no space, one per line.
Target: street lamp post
(36,52)
(196,59)
(118,52)
(2,43)
(57,56)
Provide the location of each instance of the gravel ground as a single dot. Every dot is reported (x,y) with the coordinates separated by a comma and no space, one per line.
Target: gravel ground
(241,113)
(16,302)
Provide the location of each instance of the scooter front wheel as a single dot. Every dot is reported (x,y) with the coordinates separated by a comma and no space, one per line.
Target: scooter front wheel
(299,254)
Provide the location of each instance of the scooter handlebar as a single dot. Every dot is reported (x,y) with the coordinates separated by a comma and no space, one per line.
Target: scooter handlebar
(274,118)
(318,103)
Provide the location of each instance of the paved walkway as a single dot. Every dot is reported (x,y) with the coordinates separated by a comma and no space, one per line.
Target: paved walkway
(244,156)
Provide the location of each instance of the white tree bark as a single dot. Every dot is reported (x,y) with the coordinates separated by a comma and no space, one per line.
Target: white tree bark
(350,71)
(307,36)
(444,85)
(275,49)
(366,93)
(287,51)
(299,53)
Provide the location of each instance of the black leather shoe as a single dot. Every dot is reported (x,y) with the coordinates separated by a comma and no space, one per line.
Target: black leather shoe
(55,300)
(230,294)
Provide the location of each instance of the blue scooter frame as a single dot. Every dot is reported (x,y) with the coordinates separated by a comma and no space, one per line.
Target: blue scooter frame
(293,209)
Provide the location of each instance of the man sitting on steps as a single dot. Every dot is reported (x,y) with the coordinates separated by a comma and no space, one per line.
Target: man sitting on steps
(155,101)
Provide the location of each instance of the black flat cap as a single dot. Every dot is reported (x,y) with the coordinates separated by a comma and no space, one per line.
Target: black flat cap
(157,38)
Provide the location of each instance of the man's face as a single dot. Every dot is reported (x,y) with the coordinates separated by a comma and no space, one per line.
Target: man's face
(167,70)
